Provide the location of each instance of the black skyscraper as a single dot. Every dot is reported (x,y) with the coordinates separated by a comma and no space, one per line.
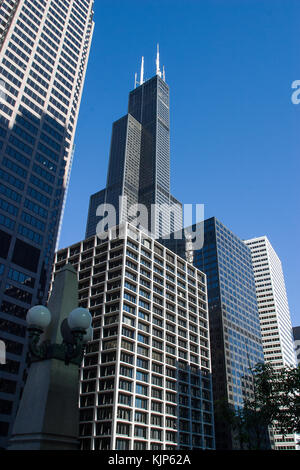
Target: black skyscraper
(139,164)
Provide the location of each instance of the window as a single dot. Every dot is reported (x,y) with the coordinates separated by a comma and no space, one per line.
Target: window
(157,381)
(170,436)
(156,393)
(141,417)
(141,389)
(143,363)
(125,399)
(157,356)
(144,316)
(156,434)
(125,385)
(123,429)
(143,339)
(127,371)
(156,406)
(171,397)
(158,368)
(141,403)
(126,358)
(143,376)
(157,344)
(171,410)
(140,431)
(143,351)
(128,320)
(122,444)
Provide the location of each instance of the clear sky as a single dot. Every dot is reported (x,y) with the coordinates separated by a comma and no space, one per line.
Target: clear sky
(235,134)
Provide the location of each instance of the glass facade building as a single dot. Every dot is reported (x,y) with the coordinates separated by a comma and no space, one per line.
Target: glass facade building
(235,334)
(139,163)
(44,49)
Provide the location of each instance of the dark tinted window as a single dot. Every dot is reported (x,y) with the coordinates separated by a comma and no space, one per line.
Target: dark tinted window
(26,256)
(4,244)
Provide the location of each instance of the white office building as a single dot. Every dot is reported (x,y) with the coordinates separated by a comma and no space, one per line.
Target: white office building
(275,320)
(145,382)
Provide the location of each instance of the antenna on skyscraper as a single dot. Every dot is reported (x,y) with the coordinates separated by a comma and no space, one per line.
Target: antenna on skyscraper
(141,76)
(164,74)
(142,72)
(158,72)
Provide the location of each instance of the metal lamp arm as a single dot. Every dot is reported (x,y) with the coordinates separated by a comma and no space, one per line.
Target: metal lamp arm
(35,350)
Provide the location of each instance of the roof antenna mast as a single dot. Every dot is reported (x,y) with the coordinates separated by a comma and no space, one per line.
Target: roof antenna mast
(158,72)
(142,72)
(136,83)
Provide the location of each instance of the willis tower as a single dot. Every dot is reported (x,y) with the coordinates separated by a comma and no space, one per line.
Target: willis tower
(139,163)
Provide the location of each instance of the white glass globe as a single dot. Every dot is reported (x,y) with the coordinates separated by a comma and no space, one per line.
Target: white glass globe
(88,335)
(79,319)
(38,316)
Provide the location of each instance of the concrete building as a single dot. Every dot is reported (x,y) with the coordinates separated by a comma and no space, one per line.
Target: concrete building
(44,50)
(146,377)
(275,320)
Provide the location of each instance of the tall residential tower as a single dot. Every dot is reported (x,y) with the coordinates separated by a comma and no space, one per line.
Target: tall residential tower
(44,49)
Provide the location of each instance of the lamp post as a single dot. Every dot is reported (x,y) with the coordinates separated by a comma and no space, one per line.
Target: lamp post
(48,415)
(76,332)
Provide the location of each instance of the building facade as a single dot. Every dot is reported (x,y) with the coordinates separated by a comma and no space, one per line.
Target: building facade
(145,382)
(139,163)
(44,49)
(235,336)
(275,320)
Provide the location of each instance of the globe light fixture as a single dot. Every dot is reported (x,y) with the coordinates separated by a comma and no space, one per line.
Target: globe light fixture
(76,331)
(79,319)
(38,317)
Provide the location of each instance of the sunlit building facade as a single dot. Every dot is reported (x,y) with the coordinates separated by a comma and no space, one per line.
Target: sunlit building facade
(274,313)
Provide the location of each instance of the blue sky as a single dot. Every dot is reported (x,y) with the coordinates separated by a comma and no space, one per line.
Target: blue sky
(235,136)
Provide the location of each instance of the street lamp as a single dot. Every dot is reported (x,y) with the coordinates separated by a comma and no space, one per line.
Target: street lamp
(76,331)
(48,414)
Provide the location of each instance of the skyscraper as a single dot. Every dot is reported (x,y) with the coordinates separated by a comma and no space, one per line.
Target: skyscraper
(139,163)
(145,383)
(275,320)
(44,49)
(235,336)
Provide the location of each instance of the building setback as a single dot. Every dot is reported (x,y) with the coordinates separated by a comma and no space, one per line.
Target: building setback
(235,336)
(145,382)
(275,320)
(44,49)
